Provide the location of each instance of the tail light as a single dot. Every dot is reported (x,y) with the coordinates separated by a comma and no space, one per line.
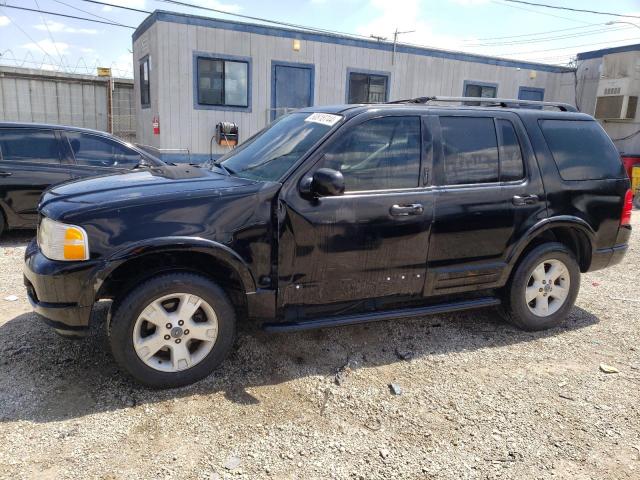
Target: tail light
(627,206)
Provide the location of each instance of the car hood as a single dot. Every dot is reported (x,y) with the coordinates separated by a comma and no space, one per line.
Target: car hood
(143,185)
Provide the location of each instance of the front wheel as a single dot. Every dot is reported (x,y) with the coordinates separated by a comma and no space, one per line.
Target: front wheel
(172,330)
(543,288)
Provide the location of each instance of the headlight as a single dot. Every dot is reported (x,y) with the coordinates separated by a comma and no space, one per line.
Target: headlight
(58,241)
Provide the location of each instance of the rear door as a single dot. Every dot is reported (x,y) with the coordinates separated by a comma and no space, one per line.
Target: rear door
(489,193)
(30,162)
(372,241)
(95,154)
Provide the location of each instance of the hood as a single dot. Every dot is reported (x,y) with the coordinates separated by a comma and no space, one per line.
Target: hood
(154,183)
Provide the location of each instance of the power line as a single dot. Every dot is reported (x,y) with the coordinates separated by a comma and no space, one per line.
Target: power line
(29,37)
(572,46)
(117,6)
(46,25)
(231,14)
(88,12)
(68,16)
(249,17)
(538,12)
(547,39)
(538,33)
(579,10)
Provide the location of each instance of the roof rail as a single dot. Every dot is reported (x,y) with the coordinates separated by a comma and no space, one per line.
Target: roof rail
(492,102)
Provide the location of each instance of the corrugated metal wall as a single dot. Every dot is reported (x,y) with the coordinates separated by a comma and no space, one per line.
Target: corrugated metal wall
(171,47)
(28,95)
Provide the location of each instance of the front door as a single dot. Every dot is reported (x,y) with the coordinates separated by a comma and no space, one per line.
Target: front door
(30,162)
(292,87)
(372,241)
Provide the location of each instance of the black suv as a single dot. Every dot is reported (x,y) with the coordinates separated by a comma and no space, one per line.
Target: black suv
(334,216)
(35,156)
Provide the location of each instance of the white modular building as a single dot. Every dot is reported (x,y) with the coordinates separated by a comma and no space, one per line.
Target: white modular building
(193,72)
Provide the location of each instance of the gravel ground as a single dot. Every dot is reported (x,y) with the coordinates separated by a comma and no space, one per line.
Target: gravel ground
(479,399)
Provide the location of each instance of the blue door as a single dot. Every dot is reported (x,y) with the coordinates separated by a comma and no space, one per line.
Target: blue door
(292,87)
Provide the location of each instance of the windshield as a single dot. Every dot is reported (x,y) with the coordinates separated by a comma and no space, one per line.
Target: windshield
(271,152)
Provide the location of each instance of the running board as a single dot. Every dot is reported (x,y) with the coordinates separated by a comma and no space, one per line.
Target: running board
(367,317)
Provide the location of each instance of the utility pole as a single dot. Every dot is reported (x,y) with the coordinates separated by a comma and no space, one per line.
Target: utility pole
(395,42)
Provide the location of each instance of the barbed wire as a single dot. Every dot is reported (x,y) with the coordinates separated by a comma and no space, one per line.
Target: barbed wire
(9,58)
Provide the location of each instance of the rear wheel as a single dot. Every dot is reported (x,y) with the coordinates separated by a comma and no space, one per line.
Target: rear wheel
(3,223)
(543,288)
(636,200)
(172,330)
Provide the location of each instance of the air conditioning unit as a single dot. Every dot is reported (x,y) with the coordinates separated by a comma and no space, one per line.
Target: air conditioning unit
(618,92)
(616,107)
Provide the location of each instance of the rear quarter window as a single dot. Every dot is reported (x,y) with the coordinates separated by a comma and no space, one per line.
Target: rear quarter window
(582,150)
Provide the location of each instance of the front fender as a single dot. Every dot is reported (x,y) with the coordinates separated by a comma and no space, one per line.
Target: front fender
(177,244)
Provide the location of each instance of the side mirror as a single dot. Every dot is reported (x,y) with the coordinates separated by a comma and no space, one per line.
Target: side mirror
(325,182)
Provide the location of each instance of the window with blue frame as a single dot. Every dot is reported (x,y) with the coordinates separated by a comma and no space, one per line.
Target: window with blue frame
(367,88)
(223,82)
(482,90)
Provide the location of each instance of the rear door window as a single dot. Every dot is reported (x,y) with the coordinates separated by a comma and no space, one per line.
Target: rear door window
(29,145)
(96,151)
(582,150)
(511,165)
(470,150)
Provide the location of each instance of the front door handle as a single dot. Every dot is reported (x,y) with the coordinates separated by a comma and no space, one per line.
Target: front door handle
(5,174)
(404,210)
(525,199)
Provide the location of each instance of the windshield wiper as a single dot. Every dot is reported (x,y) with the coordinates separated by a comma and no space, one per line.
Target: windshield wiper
(218,163)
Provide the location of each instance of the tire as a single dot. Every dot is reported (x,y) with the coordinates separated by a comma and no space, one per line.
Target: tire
(150,315)
(3,222)
(636,200)
(560,295)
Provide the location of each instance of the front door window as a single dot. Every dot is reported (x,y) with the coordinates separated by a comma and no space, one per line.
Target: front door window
(380,154)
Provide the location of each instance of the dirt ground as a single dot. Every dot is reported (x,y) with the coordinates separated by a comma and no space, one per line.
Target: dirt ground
(479,399)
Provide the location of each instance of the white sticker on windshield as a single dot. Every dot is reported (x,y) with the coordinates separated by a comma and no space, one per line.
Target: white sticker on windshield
(323,118)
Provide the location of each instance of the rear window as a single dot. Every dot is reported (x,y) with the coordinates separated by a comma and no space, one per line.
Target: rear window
(582,150)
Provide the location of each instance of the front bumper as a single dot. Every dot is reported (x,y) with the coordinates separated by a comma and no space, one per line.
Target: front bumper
(60,292)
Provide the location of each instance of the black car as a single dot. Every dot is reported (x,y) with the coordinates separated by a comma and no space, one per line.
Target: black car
(35,156)
(334,216)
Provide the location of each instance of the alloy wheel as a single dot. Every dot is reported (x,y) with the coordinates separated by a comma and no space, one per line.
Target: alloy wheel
(548,288)
(175,332)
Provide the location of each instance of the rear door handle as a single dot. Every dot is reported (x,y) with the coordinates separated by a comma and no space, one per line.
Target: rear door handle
(404,210)
(525,199)
(5,174)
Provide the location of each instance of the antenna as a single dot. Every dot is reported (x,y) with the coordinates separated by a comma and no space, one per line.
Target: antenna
(395,41)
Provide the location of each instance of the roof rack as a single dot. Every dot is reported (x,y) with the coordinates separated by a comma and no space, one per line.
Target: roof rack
(492,102)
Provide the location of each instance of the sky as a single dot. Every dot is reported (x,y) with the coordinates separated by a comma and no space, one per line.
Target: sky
(487,27)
